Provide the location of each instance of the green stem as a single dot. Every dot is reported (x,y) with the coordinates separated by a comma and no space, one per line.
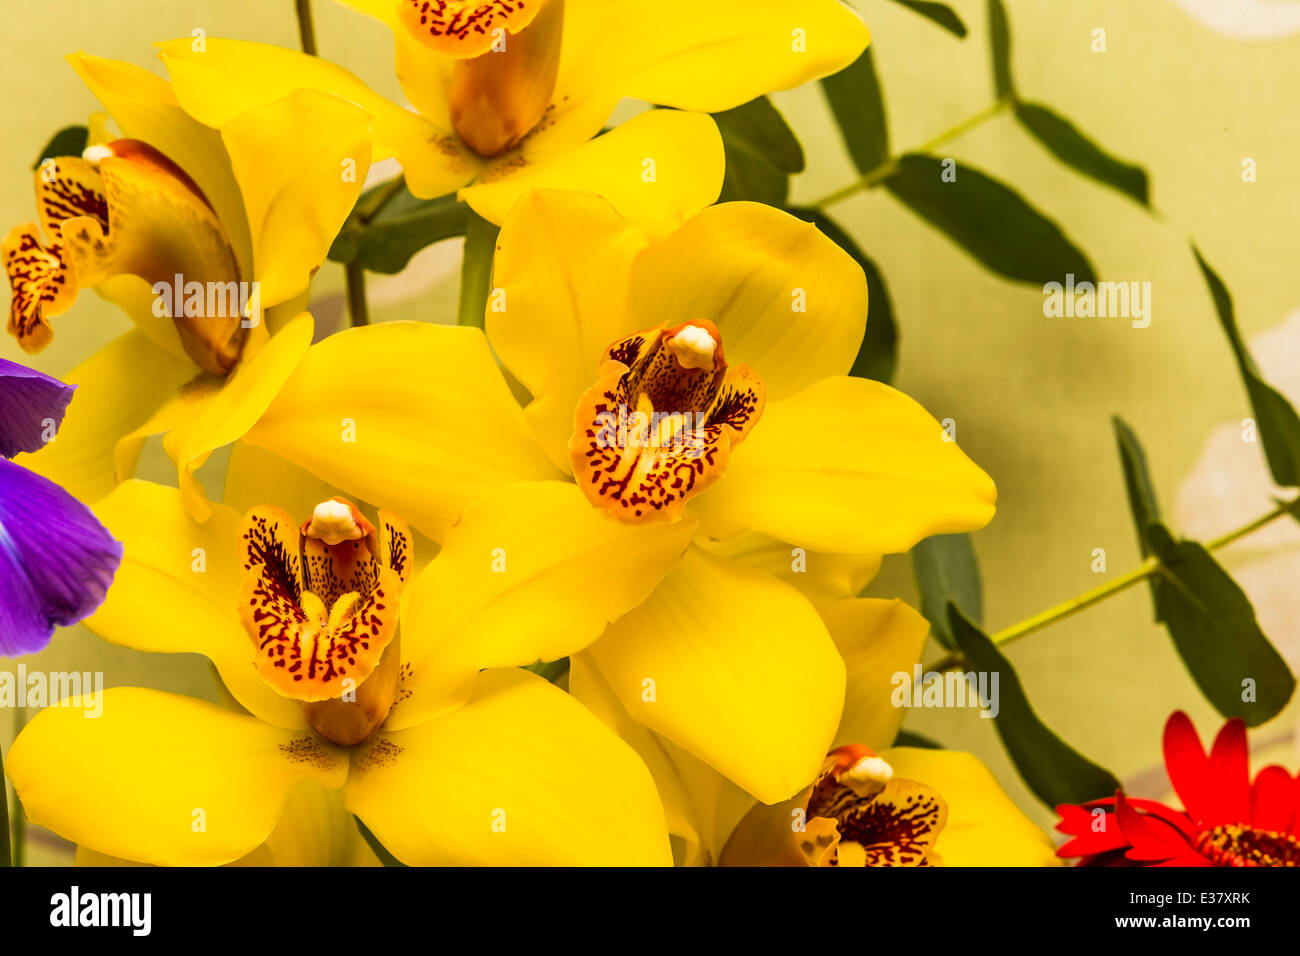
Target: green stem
(354,274)
(886,169)
(4,816)
(306,30)
(1122,583)
(19,818)
(380,200)
(476,271)
(355,277)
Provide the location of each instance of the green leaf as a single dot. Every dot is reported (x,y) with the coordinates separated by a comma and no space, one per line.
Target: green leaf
(878,355)
(939,13)
(400,227)
(69,141)
(762,153)
(1215,631)
(1276,419)
(381,851)
(476,270)
(990,221)
(947,572)
(906,738)
(1074,149)
(1209,617)
(1052,769)
(1137,481)
(1000,46)
(859,108)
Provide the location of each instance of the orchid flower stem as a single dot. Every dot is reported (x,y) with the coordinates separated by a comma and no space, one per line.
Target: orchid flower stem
(380,200)
(4,816)
(476,270)
(875,177)
(306,29)
(355,276)
(1122,583)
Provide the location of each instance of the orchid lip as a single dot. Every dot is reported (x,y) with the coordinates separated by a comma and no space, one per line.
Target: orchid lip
(659,425)
(320,603)
(860,814)
(123,208)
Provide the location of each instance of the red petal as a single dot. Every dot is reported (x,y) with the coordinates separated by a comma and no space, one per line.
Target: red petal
(1230,774)
(1188,767)
(1272,800)
(1150,836)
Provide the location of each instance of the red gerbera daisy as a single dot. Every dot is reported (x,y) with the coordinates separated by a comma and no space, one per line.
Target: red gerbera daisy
(1226,820)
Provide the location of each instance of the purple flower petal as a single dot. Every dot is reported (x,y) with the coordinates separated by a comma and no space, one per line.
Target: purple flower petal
(56,560)
(28,400)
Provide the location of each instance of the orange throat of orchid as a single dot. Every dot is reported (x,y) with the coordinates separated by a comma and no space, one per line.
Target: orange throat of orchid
(506,59)
(858,813)
(320,604)
(659,424)
(125,209)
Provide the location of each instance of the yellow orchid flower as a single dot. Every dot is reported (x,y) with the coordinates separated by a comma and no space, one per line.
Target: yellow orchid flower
(867,805)
(907,806)
(510,95)
(502,776)
(207,238)
(734,334)
(315,829)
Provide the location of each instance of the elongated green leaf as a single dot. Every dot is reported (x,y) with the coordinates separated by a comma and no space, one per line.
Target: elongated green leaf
(476,270)
(1276,419)
(1052,769)
(1214,628)
(939,13)
(69,141)
(1000,49)
(762,153)
(1137,481)
(381,851)
(859,108)
(906,738)
(990,221)
(1074,149)
(404,226)
(878,355)
(1209,617)
(947,572)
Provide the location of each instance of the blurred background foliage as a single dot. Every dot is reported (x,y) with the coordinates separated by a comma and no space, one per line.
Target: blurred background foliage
(1032,397)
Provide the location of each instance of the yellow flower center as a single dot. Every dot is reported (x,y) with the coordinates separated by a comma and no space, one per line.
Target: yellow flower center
(320,604)
(659,424)
(1240,845)
(507,56)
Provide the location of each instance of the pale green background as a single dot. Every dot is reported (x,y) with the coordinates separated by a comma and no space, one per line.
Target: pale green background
(1031,396)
